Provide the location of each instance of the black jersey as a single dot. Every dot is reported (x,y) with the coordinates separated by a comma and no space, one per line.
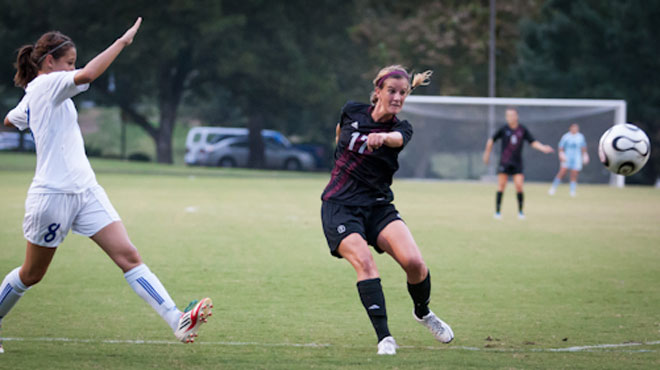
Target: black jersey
(512,144)
(361,177)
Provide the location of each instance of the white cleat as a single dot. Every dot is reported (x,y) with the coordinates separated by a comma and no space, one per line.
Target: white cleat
(552,191)
(521,216)
(192,319)
(441,331)
(2,350)
(387,346)
(572,194)
(497,216)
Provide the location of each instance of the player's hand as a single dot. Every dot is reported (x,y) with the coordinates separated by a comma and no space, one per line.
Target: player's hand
(562,157)
(128,36)
(585,159)
(547,149)
(375,141)
(485,158)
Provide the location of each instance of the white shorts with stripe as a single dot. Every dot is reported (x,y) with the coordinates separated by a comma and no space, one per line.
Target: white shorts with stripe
(50,216)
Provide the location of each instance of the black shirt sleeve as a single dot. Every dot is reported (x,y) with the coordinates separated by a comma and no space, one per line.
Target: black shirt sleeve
(528,136)
(498,134)
(406,130)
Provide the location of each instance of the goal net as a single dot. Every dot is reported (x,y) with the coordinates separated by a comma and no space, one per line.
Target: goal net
(450,134)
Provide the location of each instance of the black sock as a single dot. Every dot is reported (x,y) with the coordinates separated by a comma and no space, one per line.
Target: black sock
(373,300)
(520,202)
(421,295)
(498,201)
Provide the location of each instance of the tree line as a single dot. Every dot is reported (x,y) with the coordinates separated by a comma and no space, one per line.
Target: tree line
(290,65)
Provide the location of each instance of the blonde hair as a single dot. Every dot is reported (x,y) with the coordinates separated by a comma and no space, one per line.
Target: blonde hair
(398,71)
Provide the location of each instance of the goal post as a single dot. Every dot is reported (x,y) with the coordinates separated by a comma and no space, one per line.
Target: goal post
(450,133)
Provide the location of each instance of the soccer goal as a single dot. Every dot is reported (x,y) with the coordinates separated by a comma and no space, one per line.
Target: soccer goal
(450,134)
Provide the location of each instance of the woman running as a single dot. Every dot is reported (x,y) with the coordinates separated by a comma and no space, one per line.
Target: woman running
(357,209)
(64,194)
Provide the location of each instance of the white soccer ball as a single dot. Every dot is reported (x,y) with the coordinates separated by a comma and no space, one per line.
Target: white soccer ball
(624,149)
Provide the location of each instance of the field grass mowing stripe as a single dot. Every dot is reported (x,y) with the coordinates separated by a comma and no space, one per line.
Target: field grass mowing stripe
(618,347)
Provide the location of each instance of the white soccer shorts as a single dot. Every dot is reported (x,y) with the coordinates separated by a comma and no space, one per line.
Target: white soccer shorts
(50,216)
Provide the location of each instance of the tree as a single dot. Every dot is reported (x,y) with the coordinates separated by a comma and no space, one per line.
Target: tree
(598,49)
(449,37)
(179,45)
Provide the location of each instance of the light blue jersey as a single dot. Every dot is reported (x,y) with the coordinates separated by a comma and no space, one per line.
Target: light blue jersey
(572,145)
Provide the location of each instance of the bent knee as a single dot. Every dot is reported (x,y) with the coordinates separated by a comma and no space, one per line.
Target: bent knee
(415,266)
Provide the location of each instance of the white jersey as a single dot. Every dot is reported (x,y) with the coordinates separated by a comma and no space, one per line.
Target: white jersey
(49,112)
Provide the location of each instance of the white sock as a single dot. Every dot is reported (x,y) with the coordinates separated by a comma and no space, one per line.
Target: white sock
(11,290)
(147,286)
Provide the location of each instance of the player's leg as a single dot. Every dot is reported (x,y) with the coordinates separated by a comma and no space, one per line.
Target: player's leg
(573,186)
(20,279)
(518,181)
(396,240)
(99,221)
(46,223)
(502,179)
(557,180)
(356,251)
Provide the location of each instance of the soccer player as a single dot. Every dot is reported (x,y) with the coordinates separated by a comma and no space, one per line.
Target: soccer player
(357,209)
(572,155)
(512,136)
(64,193)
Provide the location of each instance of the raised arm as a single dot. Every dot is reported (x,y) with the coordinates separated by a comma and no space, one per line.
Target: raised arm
(487,150)
(547,149)
(101,62)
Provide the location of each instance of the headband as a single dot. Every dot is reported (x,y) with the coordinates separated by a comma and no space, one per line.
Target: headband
(379,82)
(53,50)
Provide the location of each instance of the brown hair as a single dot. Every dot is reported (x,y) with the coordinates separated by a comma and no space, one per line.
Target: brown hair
(397,71)
(30,57)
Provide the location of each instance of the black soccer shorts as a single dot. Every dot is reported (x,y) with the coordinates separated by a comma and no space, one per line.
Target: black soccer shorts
(339,221)
(510,168)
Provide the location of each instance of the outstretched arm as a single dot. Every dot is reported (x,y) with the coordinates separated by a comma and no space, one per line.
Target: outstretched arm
(101,62)
(487,150)
(392,139)
(547,149)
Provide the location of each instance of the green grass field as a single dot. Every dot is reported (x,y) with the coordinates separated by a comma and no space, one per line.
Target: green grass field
(547,292)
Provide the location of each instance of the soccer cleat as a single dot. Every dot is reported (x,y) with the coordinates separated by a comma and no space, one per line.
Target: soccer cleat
(552,190)
(441,331)
(193,317)
(497,216)
(2,350)
(521,216)
(387,346)
(572,193)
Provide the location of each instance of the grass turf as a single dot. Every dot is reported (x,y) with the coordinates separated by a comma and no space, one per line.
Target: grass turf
(577,272)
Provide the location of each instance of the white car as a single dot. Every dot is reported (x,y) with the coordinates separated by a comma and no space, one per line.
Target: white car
(228,147)
(11,141)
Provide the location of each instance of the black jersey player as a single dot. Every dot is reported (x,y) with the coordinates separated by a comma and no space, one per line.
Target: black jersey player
(512,136)
(357,209)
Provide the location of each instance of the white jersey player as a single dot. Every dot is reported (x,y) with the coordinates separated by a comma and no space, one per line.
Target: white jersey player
(64,194)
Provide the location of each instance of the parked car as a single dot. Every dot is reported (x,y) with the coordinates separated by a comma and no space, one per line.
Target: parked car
(11,141)
(228,147)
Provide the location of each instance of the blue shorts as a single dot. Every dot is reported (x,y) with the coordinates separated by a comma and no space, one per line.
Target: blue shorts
(573,163)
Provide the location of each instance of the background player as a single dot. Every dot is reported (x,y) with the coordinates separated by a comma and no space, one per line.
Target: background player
(511,164)
(64,193)
(357,209)
(572,155)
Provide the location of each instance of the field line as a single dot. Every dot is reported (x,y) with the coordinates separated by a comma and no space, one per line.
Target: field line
(589,348)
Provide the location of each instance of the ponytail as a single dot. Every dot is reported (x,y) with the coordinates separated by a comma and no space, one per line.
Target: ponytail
(26,66)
